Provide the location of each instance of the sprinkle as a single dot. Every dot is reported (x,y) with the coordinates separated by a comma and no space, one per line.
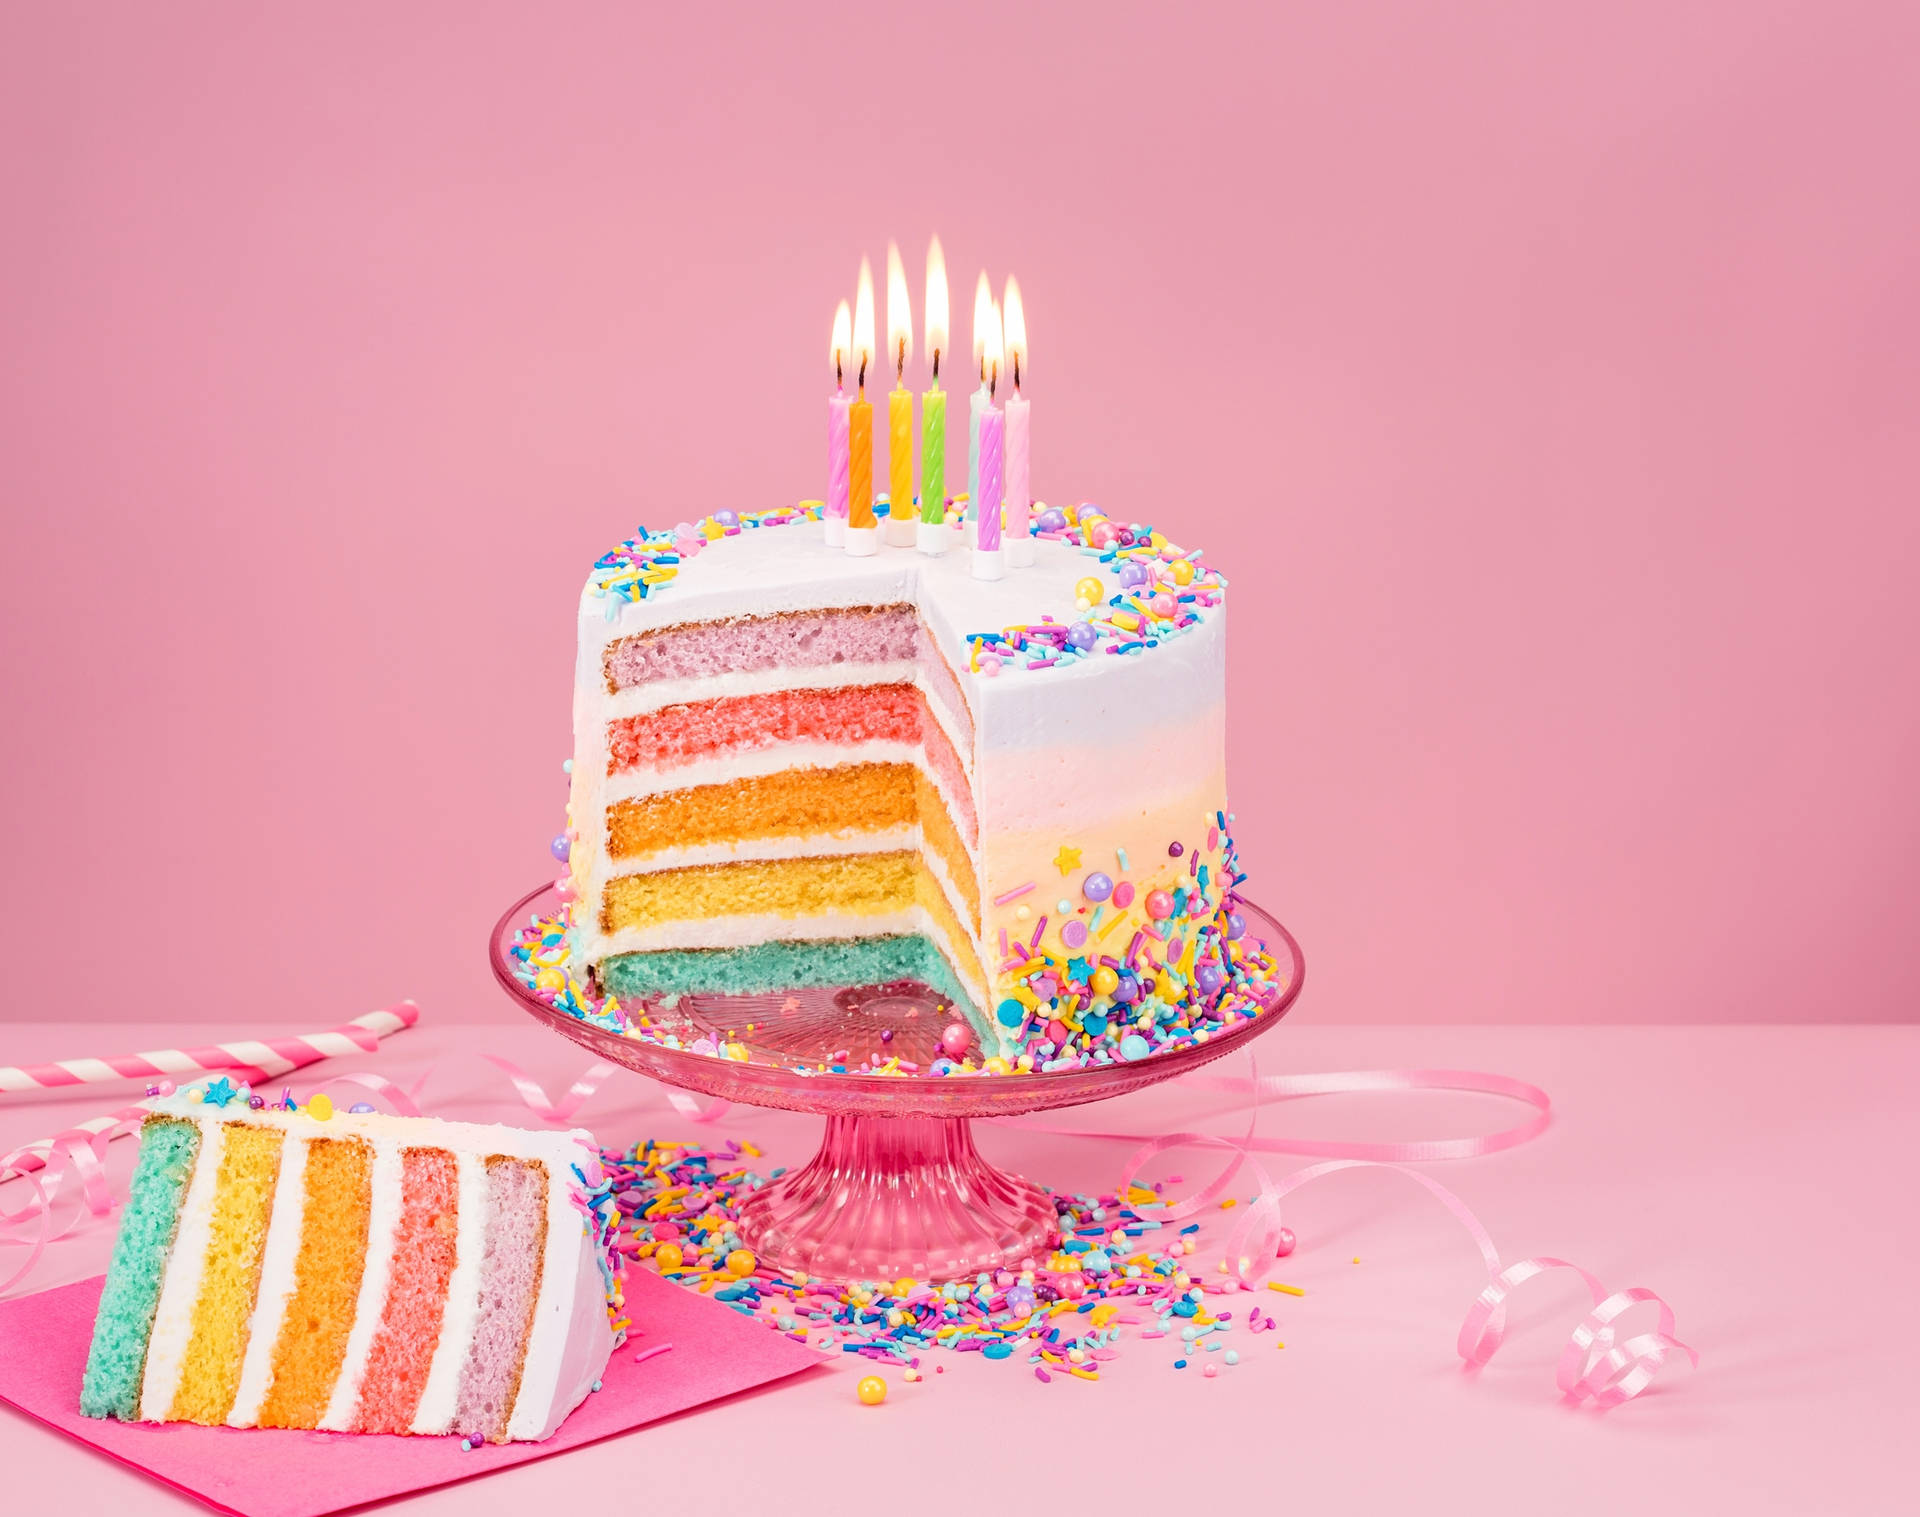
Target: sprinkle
(1013,894)
(1291,1290)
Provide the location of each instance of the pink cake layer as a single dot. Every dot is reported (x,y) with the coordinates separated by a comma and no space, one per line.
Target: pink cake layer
(678,735)
(790,640)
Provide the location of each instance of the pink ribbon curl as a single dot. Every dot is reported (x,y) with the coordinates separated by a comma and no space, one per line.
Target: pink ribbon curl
(1594,1366)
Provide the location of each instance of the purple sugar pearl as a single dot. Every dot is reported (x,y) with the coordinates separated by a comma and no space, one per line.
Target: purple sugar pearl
(1082,635)
(560,847)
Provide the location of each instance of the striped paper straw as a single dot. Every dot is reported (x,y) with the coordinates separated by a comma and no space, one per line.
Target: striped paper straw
(249,1059)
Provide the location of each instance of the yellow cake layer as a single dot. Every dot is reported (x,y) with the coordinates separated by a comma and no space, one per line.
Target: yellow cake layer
(795,803)
(243,1200)
(861,884)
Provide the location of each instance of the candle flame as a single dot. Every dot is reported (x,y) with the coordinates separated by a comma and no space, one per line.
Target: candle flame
(899,313)
(842,348)
(1016,335)
(936,306)
(992,349)
(982,312)
(863,322)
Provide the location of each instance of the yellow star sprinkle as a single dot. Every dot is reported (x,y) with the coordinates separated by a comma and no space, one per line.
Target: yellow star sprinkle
(1067,859)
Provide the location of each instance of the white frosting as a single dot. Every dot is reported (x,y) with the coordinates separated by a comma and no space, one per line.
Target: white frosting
(570,1338)
(383,1222)
(180,1284)
(276,1282)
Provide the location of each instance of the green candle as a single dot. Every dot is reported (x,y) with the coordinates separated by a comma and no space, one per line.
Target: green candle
(933,455)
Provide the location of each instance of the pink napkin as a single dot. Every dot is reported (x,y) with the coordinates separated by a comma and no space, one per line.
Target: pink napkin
(270,1472)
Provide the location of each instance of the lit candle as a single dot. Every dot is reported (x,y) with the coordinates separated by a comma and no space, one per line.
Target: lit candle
(931,533)
(988,561)
(834,522)
(1019,474)
(899,406)
(863,538)
(982,309)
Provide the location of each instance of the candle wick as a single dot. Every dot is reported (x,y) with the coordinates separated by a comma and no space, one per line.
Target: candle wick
(863,373)
(839,373)
(900,362)
(993,383)
(936,368)
(1016,371)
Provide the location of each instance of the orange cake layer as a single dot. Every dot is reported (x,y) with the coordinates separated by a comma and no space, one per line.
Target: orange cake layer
(794,803)
(326,1291)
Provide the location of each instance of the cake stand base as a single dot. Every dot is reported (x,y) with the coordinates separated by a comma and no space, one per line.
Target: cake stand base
(888,1198)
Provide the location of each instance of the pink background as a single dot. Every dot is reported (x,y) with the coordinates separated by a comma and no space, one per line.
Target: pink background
(1547,376)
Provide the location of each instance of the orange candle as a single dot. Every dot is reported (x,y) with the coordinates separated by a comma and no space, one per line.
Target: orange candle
(862,534)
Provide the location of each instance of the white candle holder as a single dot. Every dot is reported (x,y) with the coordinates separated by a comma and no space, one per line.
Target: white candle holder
(932,537)
(862,542)
(989,563)
(900,531)
(1019,551)
(835,528)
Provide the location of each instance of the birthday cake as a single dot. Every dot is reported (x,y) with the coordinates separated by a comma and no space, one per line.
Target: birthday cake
(794,766)
(301,1267)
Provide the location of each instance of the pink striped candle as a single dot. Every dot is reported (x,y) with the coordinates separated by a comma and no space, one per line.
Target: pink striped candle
(833,520)
(987,562)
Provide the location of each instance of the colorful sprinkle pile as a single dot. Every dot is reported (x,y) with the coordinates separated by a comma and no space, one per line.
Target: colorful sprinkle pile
(1162,590)
(648,561)
(1114,1265)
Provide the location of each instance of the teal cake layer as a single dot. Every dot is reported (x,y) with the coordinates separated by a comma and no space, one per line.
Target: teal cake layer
(763,968)
(118,1357)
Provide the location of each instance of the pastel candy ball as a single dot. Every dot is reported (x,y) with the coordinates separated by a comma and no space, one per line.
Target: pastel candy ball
(1284,1243)
(668,1256)
(1132,576)
(1174,850)
(1236,926)
(1088,591)
(989,664)
(872,1390)
(1210,978)
(1159,905)
(726,518)
(956,1040)
(1072,1287)
(320,1108)
(1082,635)
(740,1262)
(1104,981)
(1123,895)
(560,847)
(1127,990)
(1182,572)
(1053,520)
(1133,1046)
(1102,534)
(1096,887)
(1163,604)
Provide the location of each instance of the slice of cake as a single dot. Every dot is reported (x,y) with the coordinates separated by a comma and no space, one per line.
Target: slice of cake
(796,767)
(313,1268)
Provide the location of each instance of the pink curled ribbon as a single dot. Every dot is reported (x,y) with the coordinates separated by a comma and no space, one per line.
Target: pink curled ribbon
(1595,1365)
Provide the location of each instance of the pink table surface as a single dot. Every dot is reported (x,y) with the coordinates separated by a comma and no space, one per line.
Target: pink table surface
(1759,1178)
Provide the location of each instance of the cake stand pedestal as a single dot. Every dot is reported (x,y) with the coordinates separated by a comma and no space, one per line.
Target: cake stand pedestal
(897,1188)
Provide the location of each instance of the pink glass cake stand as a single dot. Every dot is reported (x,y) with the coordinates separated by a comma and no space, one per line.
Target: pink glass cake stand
(897,1187)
